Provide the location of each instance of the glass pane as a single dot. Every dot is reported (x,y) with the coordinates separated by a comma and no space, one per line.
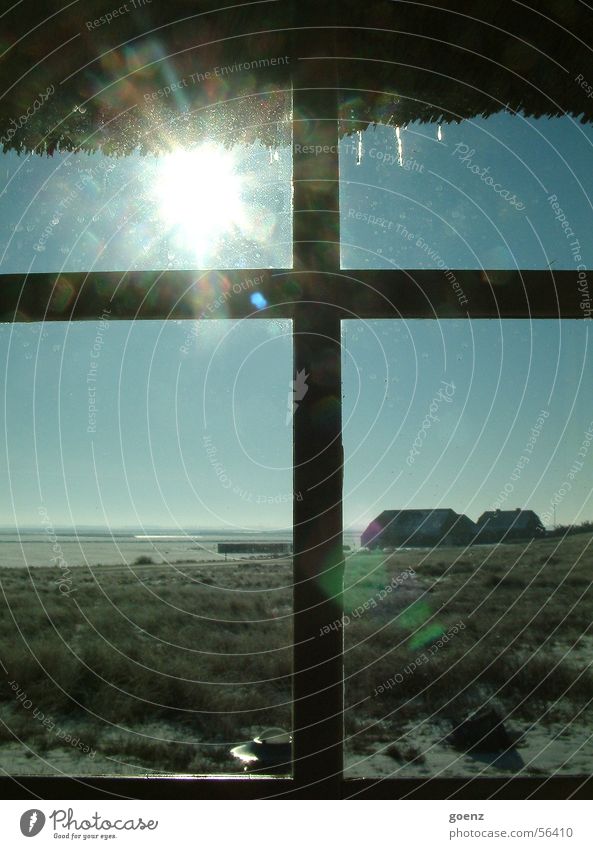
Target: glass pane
(469,515)
(145,545)
(199,205)
(501,192)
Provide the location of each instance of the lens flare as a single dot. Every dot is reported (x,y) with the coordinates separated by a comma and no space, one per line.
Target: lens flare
(199,196)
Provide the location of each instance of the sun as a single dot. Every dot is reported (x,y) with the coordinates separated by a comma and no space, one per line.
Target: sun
(199,197)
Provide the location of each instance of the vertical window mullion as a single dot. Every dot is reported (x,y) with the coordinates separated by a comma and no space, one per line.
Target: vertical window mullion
(318,456)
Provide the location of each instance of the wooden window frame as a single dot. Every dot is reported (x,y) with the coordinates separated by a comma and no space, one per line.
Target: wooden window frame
(316,294)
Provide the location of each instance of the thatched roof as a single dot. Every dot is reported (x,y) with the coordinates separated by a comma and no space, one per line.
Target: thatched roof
(416,527)
(94,74)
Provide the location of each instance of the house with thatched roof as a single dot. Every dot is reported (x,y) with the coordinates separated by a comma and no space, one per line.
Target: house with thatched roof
(418,528)
(508,525)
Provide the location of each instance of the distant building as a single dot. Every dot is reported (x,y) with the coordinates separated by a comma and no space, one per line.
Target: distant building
(255,547)
(509,525)
(419,528)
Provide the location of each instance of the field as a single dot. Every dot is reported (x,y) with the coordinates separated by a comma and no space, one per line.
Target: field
(507,627)
(156,668)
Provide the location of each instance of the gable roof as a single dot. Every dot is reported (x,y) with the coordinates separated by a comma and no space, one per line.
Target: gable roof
(502,519)
(427,520)
(431,523)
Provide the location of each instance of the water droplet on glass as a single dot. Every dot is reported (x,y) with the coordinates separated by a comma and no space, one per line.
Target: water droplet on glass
(400,147)
(359,149)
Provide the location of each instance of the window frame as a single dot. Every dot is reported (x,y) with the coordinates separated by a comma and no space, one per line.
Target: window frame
(316,294)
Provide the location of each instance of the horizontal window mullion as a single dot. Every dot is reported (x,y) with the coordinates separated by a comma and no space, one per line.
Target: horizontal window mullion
(225,293)
(456,293)
(187,787)
(398,293)
(169,787)
(480,787)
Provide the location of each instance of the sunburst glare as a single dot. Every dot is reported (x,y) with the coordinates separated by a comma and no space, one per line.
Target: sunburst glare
(200,197)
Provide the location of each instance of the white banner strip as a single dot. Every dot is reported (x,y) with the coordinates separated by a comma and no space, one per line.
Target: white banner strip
(287,824)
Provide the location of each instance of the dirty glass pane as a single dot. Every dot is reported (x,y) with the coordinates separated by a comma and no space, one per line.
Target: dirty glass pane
(502,192)
(197,204)
(145,546)
(468,511)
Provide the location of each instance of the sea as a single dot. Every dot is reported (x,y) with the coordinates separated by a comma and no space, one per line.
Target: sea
(96,547)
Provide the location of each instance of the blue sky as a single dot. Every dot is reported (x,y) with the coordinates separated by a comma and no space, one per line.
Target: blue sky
(195,437)
(80,212)
(198,437)
(503,192)
(435,195)
(190,424)
(499,378)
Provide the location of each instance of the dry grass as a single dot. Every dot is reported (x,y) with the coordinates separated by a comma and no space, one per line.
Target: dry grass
(168,650)
(525,647)
(166,669)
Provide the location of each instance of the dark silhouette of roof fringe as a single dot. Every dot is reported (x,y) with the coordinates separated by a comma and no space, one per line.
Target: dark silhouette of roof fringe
(156,72)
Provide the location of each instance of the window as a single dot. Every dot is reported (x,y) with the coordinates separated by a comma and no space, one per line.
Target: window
(146,575)
(466,624)
(195,205)
(379,63)
(502,192)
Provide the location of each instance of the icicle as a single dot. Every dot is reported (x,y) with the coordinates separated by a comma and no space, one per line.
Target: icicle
(400,147)
(359,147)
(439,133)
(276,156)
(271,156)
